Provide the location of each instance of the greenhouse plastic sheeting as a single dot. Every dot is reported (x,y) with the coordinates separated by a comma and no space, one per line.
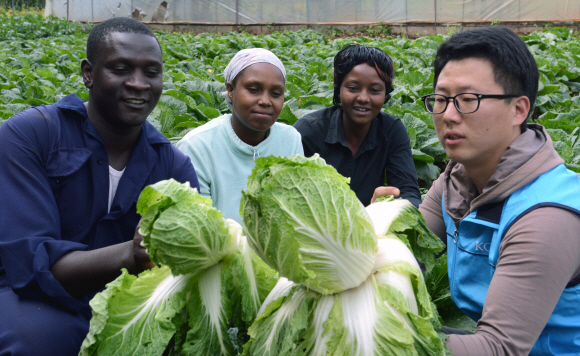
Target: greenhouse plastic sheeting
(316,11)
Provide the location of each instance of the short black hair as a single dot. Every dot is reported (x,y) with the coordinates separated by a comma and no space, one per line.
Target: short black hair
(514,66)
(100,32)
(352,55)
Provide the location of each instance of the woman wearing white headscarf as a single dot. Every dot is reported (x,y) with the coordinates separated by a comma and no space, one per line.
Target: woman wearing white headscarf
(223,150)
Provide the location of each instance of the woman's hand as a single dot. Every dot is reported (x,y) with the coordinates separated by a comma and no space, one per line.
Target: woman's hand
(380,191)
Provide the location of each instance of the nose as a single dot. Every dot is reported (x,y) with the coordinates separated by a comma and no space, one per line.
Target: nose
(363,97)
(451,114)
(138,81)
(265,99)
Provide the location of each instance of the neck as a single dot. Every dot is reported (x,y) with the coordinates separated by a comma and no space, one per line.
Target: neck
(247,135)
(480,176)
(354,134)
(353,131)
(119,142)
(480,172)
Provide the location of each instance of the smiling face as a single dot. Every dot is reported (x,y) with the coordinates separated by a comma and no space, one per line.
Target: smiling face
(125,82)
(257,98)
(477,140)
(362,95)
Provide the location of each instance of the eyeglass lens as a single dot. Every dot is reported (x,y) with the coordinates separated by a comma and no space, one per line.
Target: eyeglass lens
(465,103)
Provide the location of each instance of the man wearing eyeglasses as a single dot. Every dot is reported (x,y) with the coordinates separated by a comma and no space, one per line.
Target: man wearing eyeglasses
(506,206)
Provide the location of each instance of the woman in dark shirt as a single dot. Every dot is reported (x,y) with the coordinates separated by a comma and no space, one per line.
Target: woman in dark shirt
(354,136)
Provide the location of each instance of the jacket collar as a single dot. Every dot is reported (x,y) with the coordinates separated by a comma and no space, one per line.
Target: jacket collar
(74,103)
(239,146)
(530,155)
(143,158)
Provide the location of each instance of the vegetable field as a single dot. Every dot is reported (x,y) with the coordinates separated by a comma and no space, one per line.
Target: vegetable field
(40,64)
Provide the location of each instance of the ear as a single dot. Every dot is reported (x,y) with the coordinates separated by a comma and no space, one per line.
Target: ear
(336,94)
(230,89)
(521,110)
(86,69)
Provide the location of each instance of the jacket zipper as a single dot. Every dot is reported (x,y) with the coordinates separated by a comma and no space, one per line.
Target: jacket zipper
(452,277)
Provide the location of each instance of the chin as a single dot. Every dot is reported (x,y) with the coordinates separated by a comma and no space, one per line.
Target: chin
(362,122)
(261,126)
(132,122)
(261,129)
(459,158)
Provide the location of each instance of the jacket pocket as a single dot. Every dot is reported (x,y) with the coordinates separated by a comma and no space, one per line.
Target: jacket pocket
(475,239)
(70,187)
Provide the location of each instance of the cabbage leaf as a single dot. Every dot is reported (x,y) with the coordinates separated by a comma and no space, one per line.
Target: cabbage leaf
(133,316)
(181,229)
(204,312)
(302,219)
(401,218)
(388,314)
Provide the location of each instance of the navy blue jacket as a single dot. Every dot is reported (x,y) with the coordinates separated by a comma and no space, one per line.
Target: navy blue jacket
(54,185)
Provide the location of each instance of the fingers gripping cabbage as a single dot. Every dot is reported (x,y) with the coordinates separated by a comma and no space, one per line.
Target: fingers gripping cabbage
(302,219)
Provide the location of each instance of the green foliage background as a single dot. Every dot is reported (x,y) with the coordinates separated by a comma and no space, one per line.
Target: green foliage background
(40,63)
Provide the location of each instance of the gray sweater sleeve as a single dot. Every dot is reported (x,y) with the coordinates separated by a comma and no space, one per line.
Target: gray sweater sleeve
(539,255)
(433,211)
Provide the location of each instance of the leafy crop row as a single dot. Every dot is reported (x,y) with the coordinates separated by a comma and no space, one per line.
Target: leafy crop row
(36,69)
(33,26)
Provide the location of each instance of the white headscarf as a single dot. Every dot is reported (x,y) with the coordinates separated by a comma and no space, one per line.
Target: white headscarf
(246,58)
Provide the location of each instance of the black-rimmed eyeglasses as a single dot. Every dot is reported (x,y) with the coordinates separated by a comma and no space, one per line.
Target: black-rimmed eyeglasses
(465,103)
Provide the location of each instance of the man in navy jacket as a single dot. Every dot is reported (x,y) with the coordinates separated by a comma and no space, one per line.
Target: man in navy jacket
(70,176)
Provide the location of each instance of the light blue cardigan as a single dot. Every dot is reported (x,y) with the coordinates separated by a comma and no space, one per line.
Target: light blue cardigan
(223,162)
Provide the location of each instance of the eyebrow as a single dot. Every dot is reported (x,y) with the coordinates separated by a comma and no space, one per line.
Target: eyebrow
(461,89)
(259,82)
(126,60)
(354,81)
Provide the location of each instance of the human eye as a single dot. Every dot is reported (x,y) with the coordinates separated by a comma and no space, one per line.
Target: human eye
(468,98)
(253,90)
(277,94)
(152,72)
(120,69)
(439,99)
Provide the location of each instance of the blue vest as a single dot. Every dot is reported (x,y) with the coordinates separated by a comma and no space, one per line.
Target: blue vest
(473,251)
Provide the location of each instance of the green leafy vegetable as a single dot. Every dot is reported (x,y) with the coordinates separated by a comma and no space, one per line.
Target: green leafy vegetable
(134,315)
(388,314)
(295,205)
(403,219)
(181,229)
(303,220)
(204,296)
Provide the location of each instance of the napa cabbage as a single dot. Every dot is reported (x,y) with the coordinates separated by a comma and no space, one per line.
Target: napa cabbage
(181,229)
(301,217)
(401,218)
(202,297)
(390,313)
(303,220)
